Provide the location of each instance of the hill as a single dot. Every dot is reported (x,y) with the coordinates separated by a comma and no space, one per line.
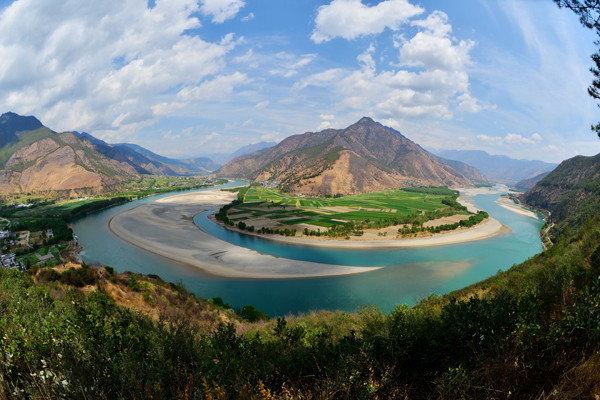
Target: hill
(499,168)
(364,157)
(571,193)
(39,159)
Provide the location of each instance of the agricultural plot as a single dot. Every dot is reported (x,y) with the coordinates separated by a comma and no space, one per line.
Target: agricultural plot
(386,208)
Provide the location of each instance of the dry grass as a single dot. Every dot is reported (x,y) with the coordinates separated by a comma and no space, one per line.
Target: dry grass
(580,382)
(152,297)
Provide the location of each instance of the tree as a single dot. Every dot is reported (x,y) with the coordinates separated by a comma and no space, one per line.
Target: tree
(589,16)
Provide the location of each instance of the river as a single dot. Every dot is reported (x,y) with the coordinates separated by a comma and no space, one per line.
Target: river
(408,276)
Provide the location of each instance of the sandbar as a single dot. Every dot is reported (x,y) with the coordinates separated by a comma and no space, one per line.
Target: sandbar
(166,228)
(510,205)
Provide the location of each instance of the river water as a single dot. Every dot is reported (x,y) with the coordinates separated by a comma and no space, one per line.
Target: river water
(408,274)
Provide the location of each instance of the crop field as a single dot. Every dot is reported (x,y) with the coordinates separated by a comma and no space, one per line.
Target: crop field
(288,209)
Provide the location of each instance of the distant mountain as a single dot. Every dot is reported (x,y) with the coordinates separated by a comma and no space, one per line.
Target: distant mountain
(366,156)
(223,158)
(470,172)
(172,166)
(531,182)
(571,192)
(252,148)
(501,169)
(37,159)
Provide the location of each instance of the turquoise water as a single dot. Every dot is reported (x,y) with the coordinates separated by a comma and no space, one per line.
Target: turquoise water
(408,274)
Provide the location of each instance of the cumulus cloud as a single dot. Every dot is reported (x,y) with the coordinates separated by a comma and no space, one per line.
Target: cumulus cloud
(430,80)
(221,10)
(104,66)
(433,48)
(350,19)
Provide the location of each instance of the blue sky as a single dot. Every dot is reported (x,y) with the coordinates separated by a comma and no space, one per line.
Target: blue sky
(186,78)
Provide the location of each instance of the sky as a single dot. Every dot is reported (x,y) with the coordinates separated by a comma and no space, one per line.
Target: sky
(186,78)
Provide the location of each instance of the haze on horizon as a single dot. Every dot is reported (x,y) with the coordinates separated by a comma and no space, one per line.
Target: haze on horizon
(186,78)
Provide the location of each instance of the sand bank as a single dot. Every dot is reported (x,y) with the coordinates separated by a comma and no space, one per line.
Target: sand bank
(510,205)
(165,227)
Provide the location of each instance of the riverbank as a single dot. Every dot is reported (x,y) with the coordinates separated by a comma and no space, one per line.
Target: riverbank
(165,228)
(510,205)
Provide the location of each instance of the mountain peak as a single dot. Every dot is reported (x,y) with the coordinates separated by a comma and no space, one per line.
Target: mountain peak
(366,121)
(11,124)
(366,156)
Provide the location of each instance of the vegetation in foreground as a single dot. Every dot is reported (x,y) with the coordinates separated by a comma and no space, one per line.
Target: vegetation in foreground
(530,332)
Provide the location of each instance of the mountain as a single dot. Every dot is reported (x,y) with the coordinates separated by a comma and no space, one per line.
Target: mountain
(470,172)
(251,148)
(571,193)
(11,123)
(364,157)
(527,184)
(36,159)
(223,158)
(501,169)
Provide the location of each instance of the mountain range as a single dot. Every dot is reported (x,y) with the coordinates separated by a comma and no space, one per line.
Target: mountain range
(364,157)
(34,158)
(499,168)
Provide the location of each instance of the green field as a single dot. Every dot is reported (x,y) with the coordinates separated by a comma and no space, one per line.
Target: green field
(379,208)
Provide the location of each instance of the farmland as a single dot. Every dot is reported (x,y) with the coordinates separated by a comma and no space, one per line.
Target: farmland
(267,210)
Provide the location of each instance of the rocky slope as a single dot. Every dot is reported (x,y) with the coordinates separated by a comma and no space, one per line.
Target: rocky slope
(364,157)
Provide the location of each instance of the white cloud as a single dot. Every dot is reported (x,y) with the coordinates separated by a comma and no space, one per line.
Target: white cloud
(105,66)
(248,17)
(350,19)
(437,88)
(221,10)
(327,117)
(511,138)
(433,48)
(261,105)
(217,88)
(288,65)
